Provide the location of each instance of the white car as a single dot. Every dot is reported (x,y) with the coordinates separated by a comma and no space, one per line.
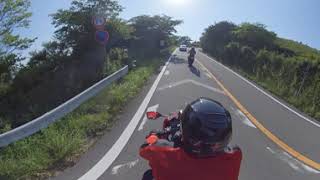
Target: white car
(183,48)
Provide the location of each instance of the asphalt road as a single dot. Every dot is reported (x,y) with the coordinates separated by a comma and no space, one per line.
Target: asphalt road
(263,159)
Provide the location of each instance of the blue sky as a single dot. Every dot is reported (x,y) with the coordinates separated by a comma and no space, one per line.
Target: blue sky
(293,19)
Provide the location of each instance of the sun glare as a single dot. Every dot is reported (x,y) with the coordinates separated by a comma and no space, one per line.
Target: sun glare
(177,2)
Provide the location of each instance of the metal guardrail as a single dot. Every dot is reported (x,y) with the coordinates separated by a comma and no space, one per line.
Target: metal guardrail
(52,116)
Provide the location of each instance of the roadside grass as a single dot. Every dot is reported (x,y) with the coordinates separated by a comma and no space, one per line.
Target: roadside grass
(60,144)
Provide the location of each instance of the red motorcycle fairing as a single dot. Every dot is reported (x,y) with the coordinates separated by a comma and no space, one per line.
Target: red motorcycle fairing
(169,163)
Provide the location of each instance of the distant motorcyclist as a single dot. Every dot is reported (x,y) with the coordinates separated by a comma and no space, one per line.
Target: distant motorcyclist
(203,151)
(191,57)
(192,52)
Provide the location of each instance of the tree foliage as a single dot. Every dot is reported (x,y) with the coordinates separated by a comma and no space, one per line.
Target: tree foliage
(150,30)
(217,36)
(287,68)
(74,25)
(14,15)
(185,40)
(255,36)
(120,33)
(73,60)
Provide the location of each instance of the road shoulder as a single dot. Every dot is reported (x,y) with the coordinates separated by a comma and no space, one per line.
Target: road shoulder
(99,149)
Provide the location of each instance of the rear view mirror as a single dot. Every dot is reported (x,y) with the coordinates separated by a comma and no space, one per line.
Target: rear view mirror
(153,115)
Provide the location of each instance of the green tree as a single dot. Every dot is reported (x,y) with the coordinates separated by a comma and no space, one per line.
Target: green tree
(75,31)
(185,40)
(14,15)
(41,63)
(255,36)
(285,67)
(216,37)
(70,63)
(120,33)
(150,30)
(74,25)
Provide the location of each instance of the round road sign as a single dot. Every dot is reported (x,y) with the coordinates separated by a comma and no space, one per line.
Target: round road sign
(102,37)
(98,22)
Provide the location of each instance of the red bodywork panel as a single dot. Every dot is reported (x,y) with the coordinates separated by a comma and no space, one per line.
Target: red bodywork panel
(170,163)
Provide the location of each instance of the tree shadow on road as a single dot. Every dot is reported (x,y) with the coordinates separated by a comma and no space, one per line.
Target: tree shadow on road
(195,71)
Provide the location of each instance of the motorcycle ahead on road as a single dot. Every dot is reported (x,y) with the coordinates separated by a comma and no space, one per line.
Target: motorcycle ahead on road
(190,60)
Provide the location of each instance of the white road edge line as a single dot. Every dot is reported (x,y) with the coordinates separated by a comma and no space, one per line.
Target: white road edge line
(265,93)
(292,162)
(105,162)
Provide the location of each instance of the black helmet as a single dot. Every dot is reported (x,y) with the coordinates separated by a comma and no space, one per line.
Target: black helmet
(206,127)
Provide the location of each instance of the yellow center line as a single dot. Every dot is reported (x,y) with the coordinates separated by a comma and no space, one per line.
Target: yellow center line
(265,131)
